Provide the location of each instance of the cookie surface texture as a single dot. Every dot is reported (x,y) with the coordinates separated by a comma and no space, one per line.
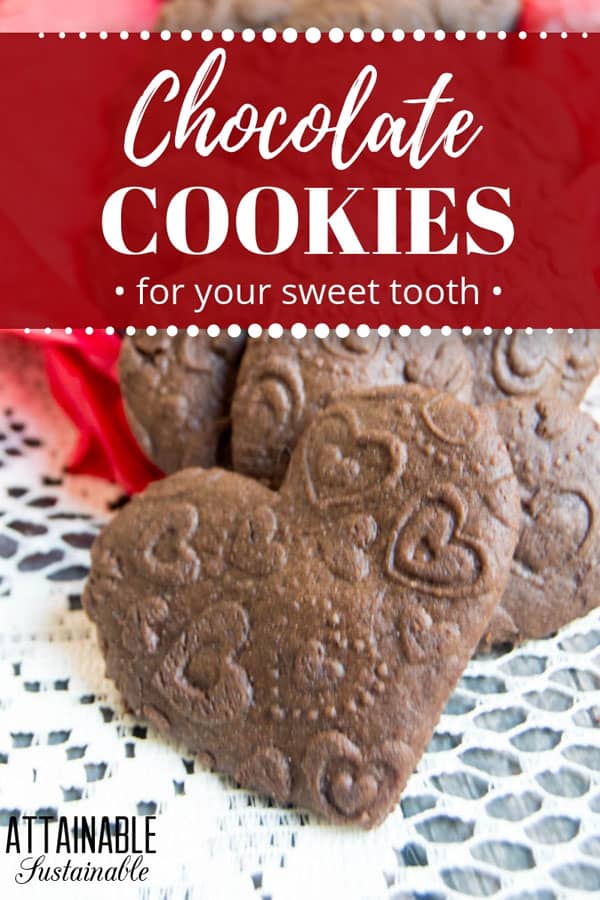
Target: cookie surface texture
(555,575)
(521,365)
(305,642)
(581,364)
(517,365)
(283,383)
(176,393)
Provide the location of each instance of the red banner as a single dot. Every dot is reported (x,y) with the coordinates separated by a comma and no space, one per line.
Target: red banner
(414,181)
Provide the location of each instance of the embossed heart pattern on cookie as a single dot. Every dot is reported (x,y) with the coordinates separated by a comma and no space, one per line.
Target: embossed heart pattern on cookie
(305,641)
(179,392)
(539,364)
(182,394)
(283,382)
(555,574)
(176,394)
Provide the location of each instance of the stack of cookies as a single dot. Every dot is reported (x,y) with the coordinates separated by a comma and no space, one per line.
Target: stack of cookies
(346,522)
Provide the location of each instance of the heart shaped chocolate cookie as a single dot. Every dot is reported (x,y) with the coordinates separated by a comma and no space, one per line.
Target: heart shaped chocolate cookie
(306,641)
(282,383)
(470,15)
(555,575)
(176,393)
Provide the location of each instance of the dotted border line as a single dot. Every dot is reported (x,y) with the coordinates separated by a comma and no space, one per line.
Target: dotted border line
(298,330)
(313,35)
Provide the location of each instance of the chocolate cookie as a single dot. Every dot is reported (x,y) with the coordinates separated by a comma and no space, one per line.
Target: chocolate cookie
(306,641)
(282,384)
(555,576)
(176,392)
(451,15)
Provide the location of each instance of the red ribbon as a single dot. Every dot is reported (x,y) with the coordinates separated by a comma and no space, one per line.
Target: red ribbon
(82,373)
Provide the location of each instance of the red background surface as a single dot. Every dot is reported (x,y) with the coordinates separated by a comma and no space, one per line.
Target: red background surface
(62,156)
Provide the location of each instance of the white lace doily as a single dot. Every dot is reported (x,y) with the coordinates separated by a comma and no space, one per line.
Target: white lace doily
(505,803)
